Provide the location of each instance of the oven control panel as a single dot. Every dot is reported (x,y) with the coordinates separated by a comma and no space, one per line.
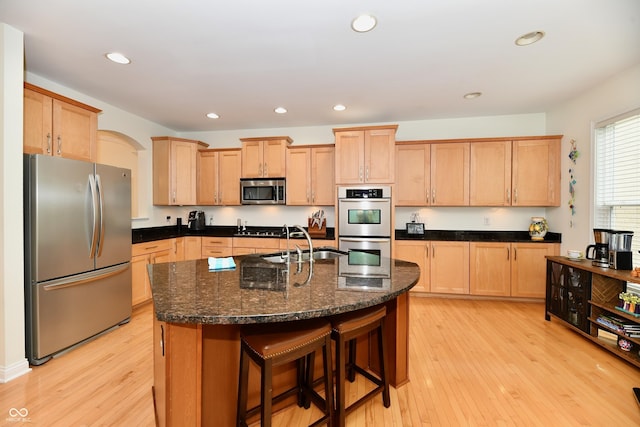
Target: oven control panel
(382,192)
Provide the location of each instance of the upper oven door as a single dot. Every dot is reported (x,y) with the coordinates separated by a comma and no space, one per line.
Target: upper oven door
(364,217)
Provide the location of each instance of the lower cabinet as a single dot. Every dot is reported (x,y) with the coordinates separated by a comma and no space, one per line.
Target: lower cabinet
(252,245)
(216,247)
(502,269)
(143,254)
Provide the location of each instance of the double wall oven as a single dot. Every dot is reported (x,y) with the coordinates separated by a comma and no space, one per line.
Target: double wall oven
(364,230)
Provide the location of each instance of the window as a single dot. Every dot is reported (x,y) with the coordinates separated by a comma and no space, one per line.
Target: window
(617,176)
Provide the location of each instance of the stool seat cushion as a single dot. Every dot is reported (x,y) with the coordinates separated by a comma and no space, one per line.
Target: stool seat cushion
(275,339)
(352,321)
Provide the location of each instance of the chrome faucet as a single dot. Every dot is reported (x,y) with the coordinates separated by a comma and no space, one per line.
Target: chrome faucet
(301,231)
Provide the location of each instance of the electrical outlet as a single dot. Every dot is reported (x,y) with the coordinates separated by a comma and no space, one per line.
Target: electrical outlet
(168,218)
(487,221)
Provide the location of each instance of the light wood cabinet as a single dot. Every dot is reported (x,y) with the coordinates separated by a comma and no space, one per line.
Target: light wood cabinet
(490,268)
(192,248)
(216,247)
(219,177)
(415,251)
(490,173)
(58,126)
(450,174)
(536,172)
(264,157)
(413,174)
(449,267)
(310,176)
(252,245)
(528,268)
(174,170)
(142,255)
(365,155)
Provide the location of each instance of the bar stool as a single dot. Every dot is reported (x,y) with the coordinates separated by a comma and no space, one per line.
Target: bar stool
(271,345)
(345,329)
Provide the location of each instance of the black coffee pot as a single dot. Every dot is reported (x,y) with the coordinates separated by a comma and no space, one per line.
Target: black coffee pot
(196,220)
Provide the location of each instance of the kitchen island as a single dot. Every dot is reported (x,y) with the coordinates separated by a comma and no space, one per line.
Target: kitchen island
(198,314)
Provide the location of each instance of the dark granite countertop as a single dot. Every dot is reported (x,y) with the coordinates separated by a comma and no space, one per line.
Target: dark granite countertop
(258,291)
(478,236)
(149,234)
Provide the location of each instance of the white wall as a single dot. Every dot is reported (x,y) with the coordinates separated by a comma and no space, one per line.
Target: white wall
(575,119)
(12,356)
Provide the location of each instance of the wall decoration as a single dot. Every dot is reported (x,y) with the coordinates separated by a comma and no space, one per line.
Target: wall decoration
(573,155)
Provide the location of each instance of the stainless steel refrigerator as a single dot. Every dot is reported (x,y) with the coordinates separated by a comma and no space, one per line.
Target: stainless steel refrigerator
(77,235)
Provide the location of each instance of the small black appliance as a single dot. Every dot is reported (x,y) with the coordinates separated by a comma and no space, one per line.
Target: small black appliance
(196,220)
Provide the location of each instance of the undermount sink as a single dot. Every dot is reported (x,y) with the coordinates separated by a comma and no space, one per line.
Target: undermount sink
(320,253)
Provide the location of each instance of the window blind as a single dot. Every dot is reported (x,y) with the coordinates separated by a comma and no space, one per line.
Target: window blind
(617,176)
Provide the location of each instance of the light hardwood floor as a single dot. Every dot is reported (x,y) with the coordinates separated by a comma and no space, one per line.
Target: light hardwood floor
(472,363)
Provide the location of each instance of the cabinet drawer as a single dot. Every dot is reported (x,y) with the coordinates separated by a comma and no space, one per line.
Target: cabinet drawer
(216,252)
(150,247)
(255,242)
(219,242)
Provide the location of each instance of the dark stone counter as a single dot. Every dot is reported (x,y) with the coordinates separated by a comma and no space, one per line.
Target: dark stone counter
(478,236)
(149,234)
(258,291)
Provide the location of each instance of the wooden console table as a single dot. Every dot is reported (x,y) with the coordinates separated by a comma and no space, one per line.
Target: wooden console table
(578,292)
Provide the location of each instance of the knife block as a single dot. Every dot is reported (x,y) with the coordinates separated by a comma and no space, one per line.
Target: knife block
(315,231)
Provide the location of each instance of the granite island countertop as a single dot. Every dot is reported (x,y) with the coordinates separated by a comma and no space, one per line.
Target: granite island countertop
(258,291)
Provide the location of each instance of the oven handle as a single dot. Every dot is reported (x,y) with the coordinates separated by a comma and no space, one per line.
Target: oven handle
(364,239)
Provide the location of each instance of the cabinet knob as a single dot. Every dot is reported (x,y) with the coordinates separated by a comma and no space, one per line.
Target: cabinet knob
(360,174)
(508,195)
(515,196)
(49,143)
(266,170)
(433,195)
(367,174)
(59,144)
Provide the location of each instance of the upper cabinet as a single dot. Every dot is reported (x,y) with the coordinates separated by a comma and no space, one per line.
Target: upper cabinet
(413,178)
(450,174)
(310,175)
(219,177)
(264,157)
(58,126)
(174,170)
(519,171)
(365,155)
(490,173)
(535,178)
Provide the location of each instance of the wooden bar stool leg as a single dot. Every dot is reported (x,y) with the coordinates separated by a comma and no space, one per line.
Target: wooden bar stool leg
(243,385)
(266,395)
(382,344)
(351,372)
(328,375)
(340,379)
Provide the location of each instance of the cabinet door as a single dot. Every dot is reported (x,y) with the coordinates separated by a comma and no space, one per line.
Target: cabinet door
(183,172)
(274,155)
(207,187)
(528,268)
(417,252)
(323,189)
(74,132)
(413,183)
(450,174)
(140,288)
(490,173)
(379,152)
(449,267)
(349,157)
(536,172)
(192,247)
(299,176)
(490,268)
(252,159)
(230,163)
(37,124)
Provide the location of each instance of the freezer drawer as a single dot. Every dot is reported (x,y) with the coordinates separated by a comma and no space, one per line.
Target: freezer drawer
(65,312)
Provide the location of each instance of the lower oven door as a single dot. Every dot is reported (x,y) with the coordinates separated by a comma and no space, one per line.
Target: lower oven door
(365,256)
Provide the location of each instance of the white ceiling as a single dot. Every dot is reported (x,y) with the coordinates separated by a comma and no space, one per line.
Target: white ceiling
(242,58)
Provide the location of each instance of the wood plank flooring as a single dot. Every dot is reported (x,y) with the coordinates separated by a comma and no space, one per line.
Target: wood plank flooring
(472,363)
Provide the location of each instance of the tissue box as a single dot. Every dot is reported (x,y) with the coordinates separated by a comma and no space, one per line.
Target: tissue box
(316,230)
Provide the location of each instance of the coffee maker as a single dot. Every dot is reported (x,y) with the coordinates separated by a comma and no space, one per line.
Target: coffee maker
(599,253)
(196,220)
(620,256)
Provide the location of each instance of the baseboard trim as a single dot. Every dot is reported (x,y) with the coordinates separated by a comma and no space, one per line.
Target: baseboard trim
(13,371)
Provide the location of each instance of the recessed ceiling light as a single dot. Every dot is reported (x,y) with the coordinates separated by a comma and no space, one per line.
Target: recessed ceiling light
(280,110)
(529,38)
(363,23)
(472,95)
(118,58)
(339,107)
(213,116)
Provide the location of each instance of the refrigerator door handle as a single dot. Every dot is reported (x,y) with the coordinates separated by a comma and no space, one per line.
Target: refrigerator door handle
(82,279)
(100,200)
(94,212)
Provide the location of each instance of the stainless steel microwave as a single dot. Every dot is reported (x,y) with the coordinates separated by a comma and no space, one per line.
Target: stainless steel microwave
(262,191)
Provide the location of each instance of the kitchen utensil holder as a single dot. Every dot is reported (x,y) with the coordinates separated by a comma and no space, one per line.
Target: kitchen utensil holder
(316,230)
